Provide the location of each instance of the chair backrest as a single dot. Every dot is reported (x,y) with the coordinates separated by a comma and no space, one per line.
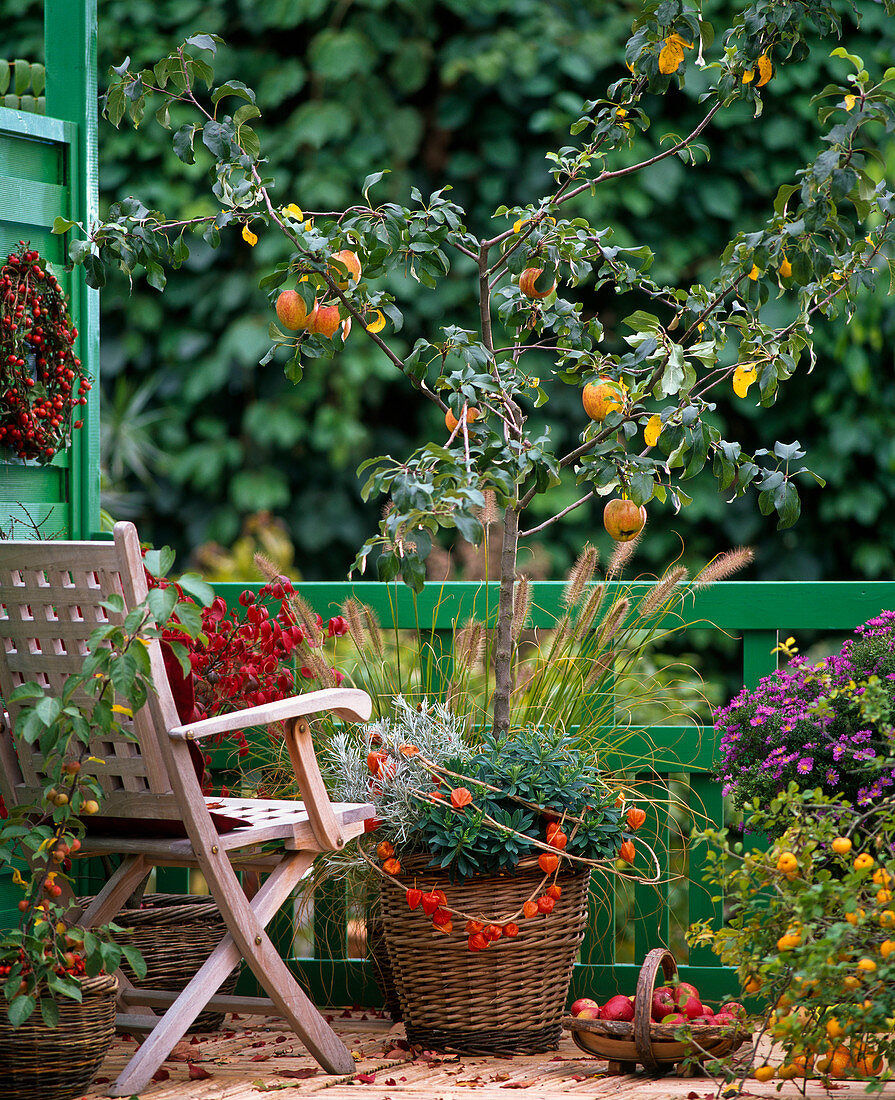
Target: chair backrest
(50,603)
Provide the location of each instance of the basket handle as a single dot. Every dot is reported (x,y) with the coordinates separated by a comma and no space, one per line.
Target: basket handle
(659,957)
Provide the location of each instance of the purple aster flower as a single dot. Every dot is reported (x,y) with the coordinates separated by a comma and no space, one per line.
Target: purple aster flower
(805,765)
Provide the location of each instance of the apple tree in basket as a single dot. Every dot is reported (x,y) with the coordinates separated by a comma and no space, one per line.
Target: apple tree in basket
(646,421)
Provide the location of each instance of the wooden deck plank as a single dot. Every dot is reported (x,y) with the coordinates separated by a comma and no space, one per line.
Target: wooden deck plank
(253,1057)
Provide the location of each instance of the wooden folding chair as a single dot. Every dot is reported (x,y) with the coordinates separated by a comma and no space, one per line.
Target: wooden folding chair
(50,597)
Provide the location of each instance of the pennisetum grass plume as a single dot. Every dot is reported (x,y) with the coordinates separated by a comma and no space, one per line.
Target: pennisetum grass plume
(589,611)
(621,556)
(521,606)
(373,631)
(724,566)
(352,609)
(580,576)
(469,646)
(658,595)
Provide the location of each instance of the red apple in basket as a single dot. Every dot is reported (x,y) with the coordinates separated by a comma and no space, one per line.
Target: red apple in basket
(682,989)
(617,1008)
(662,1004)
(673,1019)
(588,1013)
(690,1005)
(724,1019)
(735,1009)
(707,1011)
(582,1003)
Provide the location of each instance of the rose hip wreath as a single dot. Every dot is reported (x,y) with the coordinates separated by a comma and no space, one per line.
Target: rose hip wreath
(41,379)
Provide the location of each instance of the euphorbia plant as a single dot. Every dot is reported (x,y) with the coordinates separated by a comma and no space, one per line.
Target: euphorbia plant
(646,425)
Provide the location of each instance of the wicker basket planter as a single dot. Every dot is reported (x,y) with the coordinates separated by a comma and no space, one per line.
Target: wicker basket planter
(175,934)
(642,1042)
(377,951)
(59,1063)
(507,999)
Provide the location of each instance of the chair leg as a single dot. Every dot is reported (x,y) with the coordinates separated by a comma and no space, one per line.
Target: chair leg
(109,902)
(173,1025)
(246,923)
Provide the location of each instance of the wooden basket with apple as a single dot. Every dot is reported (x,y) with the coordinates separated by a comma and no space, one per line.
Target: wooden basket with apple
(643,1032)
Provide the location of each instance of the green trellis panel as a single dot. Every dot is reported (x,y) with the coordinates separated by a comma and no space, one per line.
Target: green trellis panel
(48,169)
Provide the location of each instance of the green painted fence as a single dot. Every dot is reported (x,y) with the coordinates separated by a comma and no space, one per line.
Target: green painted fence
(753,613)
(48,169)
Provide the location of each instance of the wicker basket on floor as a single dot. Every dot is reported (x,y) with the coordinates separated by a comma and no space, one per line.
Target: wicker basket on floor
(175,934)
(506,999)
(42,1063)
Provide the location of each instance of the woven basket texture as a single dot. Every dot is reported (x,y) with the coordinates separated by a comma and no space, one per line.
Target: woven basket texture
(382,967)
(42,1063)
(507,999)
(175,934)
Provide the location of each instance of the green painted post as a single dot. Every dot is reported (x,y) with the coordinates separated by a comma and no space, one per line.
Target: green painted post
(759,658)
(706,810)
(650,918)
(70,48)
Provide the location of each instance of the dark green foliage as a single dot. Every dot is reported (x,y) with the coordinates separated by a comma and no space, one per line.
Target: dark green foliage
(470,94)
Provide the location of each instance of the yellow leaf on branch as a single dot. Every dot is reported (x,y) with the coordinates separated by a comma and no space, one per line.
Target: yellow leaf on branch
(670,57)
(765,70)
(249,237)
(785,267)
(653,430)
(378,322)
(743,377)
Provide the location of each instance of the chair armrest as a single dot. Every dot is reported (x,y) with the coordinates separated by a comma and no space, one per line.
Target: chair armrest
(348,703)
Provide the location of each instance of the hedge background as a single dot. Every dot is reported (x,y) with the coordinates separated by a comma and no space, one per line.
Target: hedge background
(197,436)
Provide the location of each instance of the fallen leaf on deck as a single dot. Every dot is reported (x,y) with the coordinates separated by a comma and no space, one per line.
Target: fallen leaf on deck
(501,1077)
(181,1053)
(260,1058)
(299,1074)
(390,1081)
(159,1075)
(198,1073)
(366,1078)
(517,1085)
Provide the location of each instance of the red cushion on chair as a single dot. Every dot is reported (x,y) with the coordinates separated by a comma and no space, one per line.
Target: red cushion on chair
(161,827)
